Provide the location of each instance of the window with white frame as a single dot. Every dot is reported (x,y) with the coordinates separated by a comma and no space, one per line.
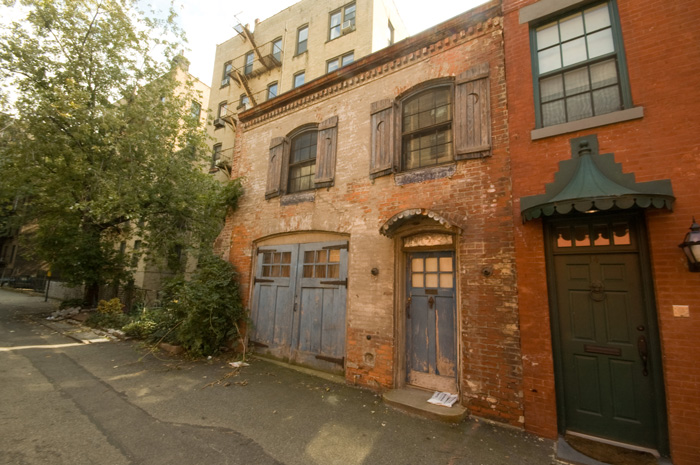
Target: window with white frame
(342,21)
(579,66)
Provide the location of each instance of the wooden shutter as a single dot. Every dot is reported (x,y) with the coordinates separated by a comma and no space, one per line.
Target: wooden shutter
(382,139)
(326,148)
(472,116)
(277,167)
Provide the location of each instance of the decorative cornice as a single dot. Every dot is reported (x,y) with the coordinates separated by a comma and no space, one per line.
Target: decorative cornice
(435,40)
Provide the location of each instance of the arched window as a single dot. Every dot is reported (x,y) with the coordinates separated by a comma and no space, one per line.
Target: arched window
(426,128)
(302,161)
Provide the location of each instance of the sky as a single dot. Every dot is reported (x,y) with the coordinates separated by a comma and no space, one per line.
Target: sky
(210,22)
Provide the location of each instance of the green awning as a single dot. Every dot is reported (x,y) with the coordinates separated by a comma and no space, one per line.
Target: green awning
(589,181)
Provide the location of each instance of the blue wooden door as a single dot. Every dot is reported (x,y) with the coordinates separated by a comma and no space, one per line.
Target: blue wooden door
(431,327)
(299,304)
(273,299)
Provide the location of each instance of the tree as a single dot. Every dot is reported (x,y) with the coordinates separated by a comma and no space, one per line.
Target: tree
(104,147)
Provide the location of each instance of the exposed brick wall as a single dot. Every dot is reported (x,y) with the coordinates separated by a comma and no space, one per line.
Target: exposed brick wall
(662,57)
(476,198)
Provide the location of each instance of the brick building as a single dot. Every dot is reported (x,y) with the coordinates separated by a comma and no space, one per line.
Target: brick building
(294,46)
(375,235)
(602,105)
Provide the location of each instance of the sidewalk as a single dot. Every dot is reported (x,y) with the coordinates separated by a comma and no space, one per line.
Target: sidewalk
(296,418)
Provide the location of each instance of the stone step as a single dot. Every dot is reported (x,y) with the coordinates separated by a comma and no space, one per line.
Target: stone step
(415,401)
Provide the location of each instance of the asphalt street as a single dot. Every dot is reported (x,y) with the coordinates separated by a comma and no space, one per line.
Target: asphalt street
(68,402)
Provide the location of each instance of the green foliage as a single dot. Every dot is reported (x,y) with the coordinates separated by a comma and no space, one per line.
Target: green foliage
(109,320)
(153,324)
(71,303)
(113,306)
(104,148)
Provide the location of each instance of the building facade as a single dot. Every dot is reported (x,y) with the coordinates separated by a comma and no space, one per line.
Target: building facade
(602,103)
(294,46)
(375,235)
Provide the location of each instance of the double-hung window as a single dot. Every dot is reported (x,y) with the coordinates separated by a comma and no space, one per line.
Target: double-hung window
(302,162)
(426,129)
(272,90)
(277,49)
(249,59)
(302,39)
(299,79)
(579,67)
(342,21)
(226,78)
(338,62)
(215,155)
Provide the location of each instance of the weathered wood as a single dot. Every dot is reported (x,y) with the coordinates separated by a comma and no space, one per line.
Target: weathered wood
(472,115)
(382,139)
(326,148)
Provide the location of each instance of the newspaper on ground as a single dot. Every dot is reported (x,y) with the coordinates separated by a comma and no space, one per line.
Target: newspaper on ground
(443,398)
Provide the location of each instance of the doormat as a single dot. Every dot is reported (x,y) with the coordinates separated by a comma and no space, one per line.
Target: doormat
(608,453)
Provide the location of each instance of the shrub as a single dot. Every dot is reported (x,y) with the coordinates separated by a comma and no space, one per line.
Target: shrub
(153,325)
(207,307)
(112,306)
(71,303)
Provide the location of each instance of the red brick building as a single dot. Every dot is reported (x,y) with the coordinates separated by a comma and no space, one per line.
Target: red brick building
(375,235)
(602,104)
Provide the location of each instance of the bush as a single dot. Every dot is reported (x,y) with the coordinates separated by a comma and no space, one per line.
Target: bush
(112,306)
(109,315)
(71,303)
(200,314)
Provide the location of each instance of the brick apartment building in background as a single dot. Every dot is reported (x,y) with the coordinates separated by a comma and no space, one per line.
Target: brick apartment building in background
(602,104)
(281,53)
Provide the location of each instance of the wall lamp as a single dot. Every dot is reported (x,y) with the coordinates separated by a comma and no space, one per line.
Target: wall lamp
(691,246)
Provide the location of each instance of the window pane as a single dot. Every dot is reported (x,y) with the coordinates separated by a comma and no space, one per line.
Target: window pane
(576,81)
(303,34)
(549,59)
(621,233)
(332,65)
(350,14)
(277,258)
(564,237)
(579,107)
(445,263)
(320,271)
(574,51)
(417,264)
(547,36)
(275,271)
(272,91)
(606,100)
(553,113)
(299,80)
(446,280)
(267,257)
(286,257)
(597,18)
(347,59)
(334,256)
(285,271)
(600,43)
(277,49)
(581,236)
(431,264)
(603,74)
(308,271)
(417,280)
(601,235)
(309,256)
(431,280)
(571,27)
(321,256)
(551,88)
(335,19)
(333,271)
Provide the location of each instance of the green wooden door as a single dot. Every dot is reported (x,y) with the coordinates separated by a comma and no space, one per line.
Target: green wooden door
(604,338)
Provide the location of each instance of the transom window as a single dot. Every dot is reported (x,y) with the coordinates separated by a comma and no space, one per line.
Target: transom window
(578,66)
(596,234)
(427,128)
(302,39)
(342,21)
(302,162)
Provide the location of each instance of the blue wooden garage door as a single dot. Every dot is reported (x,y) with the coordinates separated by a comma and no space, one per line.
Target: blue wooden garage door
(299,300)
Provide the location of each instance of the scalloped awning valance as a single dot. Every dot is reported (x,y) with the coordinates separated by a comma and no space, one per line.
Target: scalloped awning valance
(395,222)
(589,181)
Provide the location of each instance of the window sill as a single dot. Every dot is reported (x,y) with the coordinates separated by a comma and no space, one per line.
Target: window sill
(425,174)
(587,123)
(298,197)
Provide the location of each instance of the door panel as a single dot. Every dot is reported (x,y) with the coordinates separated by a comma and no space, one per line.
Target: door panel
(299,300)
(273,298)
(601,318)
(431,343)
